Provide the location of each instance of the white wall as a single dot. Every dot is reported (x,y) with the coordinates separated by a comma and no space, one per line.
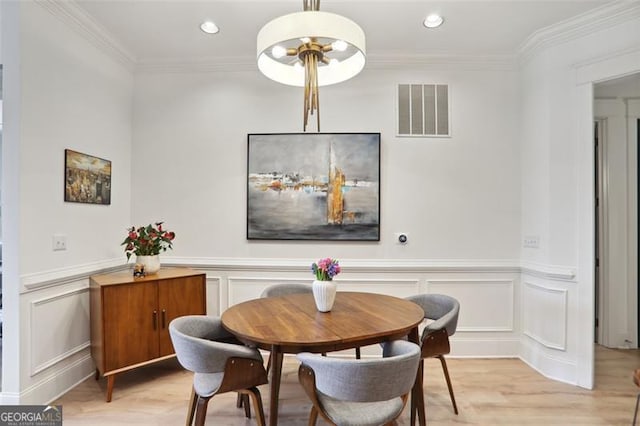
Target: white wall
(557,192)
(513,167)
(455,197)
(61,92)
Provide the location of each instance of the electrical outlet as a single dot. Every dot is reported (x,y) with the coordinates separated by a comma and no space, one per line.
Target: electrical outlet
(59,242)
(402,238)
(531,241)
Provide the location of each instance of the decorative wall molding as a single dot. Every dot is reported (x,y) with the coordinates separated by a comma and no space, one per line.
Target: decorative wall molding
(232,280)
(36,307)
(550,330)
(200,65)
(77,19)
(351,265)
(551,272)
(597,19)
(605,16)
(53,386)
(476,295)
(213,294)
(604,67)
(55,277)
(241,289)
(550,366)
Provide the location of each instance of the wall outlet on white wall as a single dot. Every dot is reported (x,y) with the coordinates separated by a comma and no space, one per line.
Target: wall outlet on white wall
(59,242)
(531,241)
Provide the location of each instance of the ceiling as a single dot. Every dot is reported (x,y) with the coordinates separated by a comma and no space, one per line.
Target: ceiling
(168,30)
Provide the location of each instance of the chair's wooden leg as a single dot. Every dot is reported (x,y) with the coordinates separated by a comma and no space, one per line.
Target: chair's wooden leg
(247,406)
(635,414)
(97,374)
(191,410)
(358,353)
(201,410)
(239,400)
(257,405)
(313,416)
(414,410)
(417,398)
(446,376)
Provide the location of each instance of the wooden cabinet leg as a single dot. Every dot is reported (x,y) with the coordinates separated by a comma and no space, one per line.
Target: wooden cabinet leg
(97,374)
(110,379)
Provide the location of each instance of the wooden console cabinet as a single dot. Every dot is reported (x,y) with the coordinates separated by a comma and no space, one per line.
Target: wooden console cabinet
(130,317)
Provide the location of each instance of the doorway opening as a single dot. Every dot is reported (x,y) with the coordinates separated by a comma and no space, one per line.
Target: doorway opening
(616,158)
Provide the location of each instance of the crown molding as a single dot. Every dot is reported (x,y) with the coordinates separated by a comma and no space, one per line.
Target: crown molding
(467,61)
(76,18)
(374,62)
(202,65)
(587,23)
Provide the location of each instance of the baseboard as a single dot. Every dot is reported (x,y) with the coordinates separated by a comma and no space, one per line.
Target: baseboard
(58,383)
(552,367)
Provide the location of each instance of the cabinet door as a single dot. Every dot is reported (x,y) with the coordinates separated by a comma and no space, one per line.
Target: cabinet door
(130,330)
(178,297)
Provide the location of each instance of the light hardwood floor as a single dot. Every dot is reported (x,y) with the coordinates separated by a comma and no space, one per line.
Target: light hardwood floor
(488,392)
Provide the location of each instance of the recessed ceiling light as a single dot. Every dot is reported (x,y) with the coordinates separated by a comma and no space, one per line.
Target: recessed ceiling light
(433,21)
(209,27)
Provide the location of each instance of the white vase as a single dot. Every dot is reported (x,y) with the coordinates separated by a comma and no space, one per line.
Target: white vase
(324,293)
(151,263)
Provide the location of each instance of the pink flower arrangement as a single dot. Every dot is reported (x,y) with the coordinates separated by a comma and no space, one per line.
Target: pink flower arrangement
(325,269)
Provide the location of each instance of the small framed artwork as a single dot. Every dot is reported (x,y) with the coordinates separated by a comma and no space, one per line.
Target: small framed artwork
(87,179)
(313,186)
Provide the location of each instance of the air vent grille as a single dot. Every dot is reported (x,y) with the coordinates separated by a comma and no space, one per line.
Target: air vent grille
(423,110)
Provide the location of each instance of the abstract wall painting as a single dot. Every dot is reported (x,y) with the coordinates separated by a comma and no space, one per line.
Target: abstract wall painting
(313,186)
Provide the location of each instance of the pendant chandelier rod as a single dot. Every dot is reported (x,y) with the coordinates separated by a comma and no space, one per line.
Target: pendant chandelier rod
(310,5)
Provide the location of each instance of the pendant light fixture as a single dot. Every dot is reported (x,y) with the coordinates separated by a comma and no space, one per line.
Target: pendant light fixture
(311,49)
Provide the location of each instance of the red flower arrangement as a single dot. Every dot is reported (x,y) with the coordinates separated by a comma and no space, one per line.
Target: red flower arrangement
(148,240)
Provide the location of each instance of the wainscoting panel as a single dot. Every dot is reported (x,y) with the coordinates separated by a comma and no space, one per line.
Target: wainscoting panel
(55,310)
(485,304)
(213,295)
(391,287)
(59,327)
(545,315)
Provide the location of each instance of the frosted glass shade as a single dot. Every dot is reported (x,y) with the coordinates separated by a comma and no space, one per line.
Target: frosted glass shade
(288,30)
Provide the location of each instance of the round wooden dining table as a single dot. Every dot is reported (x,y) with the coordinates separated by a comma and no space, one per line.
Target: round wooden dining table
(292,324)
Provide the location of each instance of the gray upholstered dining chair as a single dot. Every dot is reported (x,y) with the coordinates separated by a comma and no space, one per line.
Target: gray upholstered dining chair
(363,392)
(284,289)
(201,346)
(443,310)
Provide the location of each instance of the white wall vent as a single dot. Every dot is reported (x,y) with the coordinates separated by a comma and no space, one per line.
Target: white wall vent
(423,110)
